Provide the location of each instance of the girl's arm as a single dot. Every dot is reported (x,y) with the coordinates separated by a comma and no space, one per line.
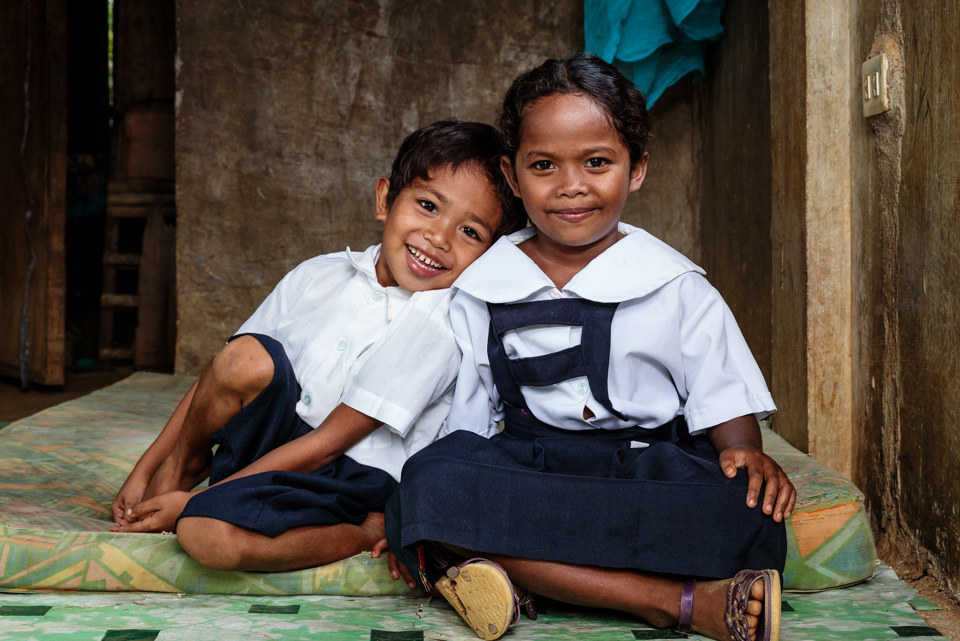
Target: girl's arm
(739,444)
(342,429)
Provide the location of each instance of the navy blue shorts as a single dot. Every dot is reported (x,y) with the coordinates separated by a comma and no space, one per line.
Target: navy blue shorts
(273,502)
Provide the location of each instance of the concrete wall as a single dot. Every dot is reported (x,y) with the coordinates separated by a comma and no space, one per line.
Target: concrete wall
(288,112)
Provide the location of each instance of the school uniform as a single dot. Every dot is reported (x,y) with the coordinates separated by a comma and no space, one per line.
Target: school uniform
(605,389)
(335,336)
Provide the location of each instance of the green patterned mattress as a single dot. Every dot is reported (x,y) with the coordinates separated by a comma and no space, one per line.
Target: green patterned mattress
(60,469)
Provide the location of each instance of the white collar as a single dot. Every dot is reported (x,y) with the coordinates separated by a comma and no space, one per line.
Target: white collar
(365,262)
(634,266)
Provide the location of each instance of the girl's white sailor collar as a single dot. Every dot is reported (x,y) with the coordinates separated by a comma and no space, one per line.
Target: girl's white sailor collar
(634,266)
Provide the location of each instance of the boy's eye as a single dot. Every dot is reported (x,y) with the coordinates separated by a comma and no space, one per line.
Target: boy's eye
(542,165)
(471,232)
(426,204)
(596,163)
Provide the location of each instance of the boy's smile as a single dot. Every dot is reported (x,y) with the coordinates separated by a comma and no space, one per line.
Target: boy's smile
(573,173)
(436,227)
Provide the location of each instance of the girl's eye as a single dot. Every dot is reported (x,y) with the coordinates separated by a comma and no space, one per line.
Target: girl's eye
(596,163)
(471,232)
(542,165)
(429,206)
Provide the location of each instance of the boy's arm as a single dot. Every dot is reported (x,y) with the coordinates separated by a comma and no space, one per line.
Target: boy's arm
(739,444)
(131,492)
(343,428)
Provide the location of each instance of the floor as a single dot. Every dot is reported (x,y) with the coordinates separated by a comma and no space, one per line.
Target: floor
(881,608)
(146,616)
(16,403)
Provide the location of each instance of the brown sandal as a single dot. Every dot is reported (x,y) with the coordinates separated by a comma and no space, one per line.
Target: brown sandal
(768,628)
(481,593)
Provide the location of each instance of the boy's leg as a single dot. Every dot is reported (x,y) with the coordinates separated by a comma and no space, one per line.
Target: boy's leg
(233,378)
(222,546)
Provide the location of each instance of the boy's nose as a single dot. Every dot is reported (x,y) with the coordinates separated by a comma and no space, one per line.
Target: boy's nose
(438,235)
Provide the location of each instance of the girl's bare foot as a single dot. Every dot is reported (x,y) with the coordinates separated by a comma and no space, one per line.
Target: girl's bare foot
(747,618)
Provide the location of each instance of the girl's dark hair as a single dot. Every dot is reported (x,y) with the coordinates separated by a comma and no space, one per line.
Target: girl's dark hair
(453,143)
(587,74)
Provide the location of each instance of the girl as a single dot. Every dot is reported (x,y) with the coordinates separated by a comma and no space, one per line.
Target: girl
(630,472)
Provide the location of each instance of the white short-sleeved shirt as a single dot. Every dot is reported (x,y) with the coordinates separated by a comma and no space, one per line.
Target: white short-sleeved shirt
(383,351)
(675,346)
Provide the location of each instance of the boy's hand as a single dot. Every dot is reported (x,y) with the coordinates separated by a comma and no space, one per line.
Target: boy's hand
(397,569)
(780,495)
(158,514)
(130,494)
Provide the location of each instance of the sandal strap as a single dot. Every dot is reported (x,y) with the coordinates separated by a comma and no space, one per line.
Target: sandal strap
(737,597)
(685,623)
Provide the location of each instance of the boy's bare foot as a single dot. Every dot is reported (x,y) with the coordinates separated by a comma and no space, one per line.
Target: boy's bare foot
(373,530)
(178,473)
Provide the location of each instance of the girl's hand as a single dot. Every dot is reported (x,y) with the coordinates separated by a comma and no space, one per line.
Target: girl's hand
(779,497)
(158,514)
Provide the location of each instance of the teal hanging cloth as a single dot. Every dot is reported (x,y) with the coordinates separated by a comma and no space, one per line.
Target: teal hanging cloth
(653,42)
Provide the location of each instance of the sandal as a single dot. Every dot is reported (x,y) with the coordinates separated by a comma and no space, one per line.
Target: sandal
(481,593)
(768,628)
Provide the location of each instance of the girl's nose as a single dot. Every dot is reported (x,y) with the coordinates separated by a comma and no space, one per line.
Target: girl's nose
(571,182)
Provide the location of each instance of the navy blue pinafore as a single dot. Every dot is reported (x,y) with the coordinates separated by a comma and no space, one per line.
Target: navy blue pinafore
(653,500)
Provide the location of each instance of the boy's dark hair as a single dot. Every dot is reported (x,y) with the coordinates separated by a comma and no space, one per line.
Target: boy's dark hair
(453,143)
(581,73)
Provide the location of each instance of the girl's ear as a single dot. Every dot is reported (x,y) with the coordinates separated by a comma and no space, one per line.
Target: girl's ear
(383,186)
(638,172)
(506,166)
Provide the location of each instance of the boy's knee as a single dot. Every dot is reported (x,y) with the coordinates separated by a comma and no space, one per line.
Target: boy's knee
(243,365)
(210,542)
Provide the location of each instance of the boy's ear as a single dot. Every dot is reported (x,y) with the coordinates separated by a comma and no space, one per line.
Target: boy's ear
(506,167)
(638,172)
(383,186)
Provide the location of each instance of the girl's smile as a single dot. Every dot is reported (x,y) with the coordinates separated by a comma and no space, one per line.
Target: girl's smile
(574,174)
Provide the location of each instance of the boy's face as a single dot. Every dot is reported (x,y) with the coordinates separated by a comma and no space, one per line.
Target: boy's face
(436,227)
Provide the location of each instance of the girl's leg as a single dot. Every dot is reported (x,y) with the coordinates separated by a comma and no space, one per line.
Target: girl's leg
(235,376)
(653,598)
(222,546)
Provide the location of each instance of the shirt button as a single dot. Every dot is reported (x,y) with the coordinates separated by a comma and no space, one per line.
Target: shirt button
(306,399)
(341,345)
(377,295)
(582,388)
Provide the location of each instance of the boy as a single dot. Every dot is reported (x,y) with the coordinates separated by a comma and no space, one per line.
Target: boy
(357,346)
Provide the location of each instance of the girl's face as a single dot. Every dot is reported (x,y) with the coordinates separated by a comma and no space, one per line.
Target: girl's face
(573,173)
